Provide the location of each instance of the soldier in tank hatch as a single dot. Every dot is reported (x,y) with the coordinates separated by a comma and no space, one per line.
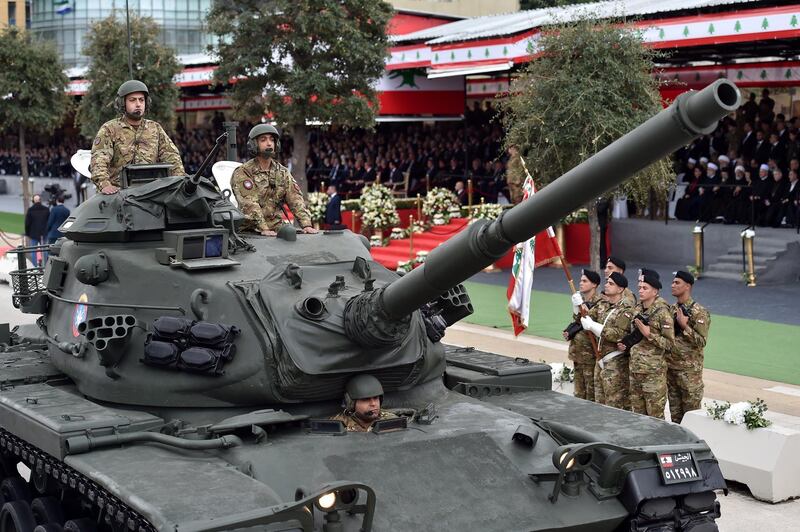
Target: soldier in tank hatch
(363,398)
(130,139)
(262,185)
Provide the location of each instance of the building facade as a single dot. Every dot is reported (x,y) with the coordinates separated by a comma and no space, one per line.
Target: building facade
(182,23)
(14,13)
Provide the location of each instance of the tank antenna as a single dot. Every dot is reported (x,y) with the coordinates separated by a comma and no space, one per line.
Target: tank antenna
(128,25)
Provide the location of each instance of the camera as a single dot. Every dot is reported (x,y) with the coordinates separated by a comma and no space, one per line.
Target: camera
(52,192)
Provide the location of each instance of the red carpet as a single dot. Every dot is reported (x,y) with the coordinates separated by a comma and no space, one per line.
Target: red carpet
(400,250)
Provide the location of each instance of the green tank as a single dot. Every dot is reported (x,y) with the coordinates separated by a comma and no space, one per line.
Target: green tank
(182,377)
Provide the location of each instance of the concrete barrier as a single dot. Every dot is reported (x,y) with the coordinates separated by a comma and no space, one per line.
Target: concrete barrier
(767,459)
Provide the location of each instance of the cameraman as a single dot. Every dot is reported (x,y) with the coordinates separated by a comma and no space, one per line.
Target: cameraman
(648,364)
(685,359)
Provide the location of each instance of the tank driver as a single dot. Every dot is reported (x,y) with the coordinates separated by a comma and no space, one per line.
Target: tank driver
(130,139)
(363,398)
(262,185)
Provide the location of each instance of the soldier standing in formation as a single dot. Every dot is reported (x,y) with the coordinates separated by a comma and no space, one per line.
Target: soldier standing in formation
(515,175)
(363,397)
(611,377)
(130,139)
(685,359)
(615,264)
(262,185)
(648,364)
(581,351)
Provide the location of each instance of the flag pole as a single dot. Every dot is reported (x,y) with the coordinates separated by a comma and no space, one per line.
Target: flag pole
(568,274)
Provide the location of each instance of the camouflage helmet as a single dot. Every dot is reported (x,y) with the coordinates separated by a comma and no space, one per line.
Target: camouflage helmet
(362,387)
(131,86)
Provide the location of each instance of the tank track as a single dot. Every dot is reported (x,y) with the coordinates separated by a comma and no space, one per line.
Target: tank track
(50,476)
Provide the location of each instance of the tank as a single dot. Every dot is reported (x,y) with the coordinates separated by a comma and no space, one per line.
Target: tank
(182,377)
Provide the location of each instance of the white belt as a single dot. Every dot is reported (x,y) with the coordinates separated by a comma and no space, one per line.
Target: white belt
(608,358)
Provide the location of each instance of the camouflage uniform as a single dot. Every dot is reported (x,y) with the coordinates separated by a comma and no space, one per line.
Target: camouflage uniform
(583,357)
(351,423)
(515,177)
(262,193)
(628,297)
(685,361)
(612,381)
(118,143)
(648,363)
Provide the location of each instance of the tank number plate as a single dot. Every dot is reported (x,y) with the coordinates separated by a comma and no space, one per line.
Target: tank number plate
(678,467)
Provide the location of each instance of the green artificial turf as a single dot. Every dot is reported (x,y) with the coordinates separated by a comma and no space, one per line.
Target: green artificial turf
(753,348)
(12,223)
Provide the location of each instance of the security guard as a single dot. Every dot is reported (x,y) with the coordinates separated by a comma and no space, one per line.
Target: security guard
(130,139)
(685,359)
(648,363)
(611,376)
(262,185)
(581,352)
(363,397)
(616,264)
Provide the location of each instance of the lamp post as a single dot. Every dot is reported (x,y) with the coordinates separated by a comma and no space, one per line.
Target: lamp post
(748,236)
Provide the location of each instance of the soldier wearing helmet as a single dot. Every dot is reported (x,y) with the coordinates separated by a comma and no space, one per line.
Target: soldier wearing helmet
(130,139)
(262,185)
(362,398)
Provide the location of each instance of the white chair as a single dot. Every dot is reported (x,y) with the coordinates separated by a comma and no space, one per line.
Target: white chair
(223,170)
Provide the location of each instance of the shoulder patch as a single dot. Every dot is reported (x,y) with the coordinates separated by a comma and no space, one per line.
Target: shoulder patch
(96,141)
(248,184)
(700,321)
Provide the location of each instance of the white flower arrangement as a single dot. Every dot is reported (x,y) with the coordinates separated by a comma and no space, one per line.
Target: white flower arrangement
(317,203)
(397,234)
(439,219)
(440,201)
(454,211)
(408,265)
(581,216)
(488,211)
(378,208)
(562,373)
(376,241)
(748,413)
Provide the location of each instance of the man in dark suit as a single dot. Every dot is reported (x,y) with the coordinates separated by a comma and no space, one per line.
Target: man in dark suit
(58,216)
(747,147)
(761,152)
(36,227)
(333,212)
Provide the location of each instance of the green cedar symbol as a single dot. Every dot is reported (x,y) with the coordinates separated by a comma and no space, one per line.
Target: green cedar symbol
(740,75)
(738,26)
(505,50)
(788,73)
(711,29)
(697,76)
(436,57)
(765,23)
(403,57)
(486,53)
(469,54)
(483,87)
(452,56)
(793,22)
(417,54)
(660,33)
(686,31)
(763,74)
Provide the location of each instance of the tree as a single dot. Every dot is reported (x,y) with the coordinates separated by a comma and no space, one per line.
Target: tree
(33,91)
(592,84)
(106,46)
(301,61)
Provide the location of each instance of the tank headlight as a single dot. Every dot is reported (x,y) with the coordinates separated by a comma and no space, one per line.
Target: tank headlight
(326,501)
(569,464)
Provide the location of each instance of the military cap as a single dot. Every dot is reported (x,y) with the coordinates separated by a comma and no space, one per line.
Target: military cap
(650,277)
(619,279)
(619,263)
(592,275)
(684,276)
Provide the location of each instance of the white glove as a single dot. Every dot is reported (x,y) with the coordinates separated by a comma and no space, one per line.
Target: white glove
(577,301)
(592,326)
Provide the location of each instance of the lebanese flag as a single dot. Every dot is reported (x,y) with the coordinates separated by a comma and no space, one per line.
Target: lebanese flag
(410,92)
(521,282)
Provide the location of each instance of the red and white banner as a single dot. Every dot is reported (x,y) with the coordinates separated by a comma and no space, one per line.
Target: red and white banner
(410,92)
(484,88)
(520,284)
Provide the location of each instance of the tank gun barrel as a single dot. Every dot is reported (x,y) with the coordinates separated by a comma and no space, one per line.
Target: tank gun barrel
(456,260)
(193,180)
(692,114)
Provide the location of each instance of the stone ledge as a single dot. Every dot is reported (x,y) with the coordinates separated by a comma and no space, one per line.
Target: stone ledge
(767,460)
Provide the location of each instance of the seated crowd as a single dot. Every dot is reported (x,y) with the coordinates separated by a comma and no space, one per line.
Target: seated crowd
(745,172)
